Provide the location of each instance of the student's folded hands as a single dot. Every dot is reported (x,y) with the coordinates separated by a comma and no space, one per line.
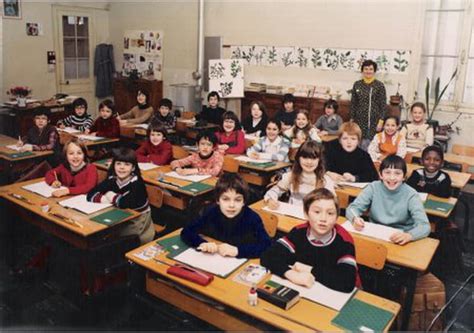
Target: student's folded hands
(401,238)
(209,247)
(227,250)
(301,278)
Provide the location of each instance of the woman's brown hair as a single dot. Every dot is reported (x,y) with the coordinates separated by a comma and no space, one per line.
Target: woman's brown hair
(309,149)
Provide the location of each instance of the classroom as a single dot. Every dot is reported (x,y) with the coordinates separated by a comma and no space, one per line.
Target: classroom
(215,165)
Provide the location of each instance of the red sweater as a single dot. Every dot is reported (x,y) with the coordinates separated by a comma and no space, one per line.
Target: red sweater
(236,142)
(108,128)
(161,154)
(79,183)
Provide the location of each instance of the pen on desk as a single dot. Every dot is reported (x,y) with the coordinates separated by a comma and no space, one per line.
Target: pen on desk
(168,183)
(20,197)
(67,219)
(55,175)
(162,262)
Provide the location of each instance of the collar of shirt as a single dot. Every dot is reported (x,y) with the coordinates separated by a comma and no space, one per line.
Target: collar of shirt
(321,240)
(331,117)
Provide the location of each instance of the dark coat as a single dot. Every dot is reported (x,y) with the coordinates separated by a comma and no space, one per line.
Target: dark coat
(104,69)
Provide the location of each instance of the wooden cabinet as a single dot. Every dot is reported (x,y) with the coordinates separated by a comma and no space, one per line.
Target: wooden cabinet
(273,103)
(125,93)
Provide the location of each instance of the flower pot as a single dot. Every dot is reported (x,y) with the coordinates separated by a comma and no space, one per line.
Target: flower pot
(21,102)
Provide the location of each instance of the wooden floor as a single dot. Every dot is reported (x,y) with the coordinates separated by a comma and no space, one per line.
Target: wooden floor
(34,302)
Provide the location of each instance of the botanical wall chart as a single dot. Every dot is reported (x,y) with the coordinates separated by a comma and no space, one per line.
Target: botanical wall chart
(226,76)
(142,50)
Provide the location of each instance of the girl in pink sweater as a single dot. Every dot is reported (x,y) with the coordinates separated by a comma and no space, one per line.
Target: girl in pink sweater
(230,139)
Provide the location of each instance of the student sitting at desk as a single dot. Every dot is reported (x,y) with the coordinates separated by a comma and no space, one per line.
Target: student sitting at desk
(75,173)
(287,115)
(256,122)
(392,203)
(273,146)
(125,188)
(140,113)
(206,161)
(306,174)
(302,130)
(107,124)
(418,132)
(239,229)
(431,179)
(330,121)
(345,161)
(387,142)
(79,119)
(319,250)
(231,138)
(164,114)
(157,149)
(213,112)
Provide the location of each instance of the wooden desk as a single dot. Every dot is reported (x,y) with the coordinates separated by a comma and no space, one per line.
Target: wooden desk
(258,175)
(6,141)
(232,298)
(190,131)
(458,179)
(414,257)
(329,137)
(64,137)
(453,158)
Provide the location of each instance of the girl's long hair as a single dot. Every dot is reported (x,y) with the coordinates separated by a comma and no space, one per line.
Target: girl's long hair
(309,149)
(307,128)
(124,154)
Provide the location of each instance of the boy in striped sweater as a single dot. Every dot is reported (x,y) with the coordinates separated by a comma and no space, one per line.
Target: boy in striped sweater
(318,250)
(79,119)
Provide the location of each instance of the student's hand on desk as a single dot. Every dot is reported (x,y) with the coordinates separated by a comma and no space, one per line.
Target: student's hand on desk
(301,278)
(335,176)
(223,147)
(27,148)
(401,238)
(185,172)
(254,155)
(60,193)
(323,133)
(348,177)
(20,143)
(302,268)
(209,247)
(273,204)
(358,223)
(122,122)
(227,250)
(56,184)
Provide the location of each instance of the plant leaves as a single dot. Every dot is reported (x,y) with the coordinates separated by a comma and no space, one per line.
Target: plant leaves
(427,98)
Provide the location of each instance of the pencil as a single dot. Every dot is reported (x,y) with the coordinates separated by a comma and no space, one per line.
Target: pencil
(55,175)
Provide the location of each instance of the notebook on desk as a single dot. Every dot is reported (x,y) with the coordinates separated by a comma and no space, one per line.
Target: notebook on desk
(111,217)
(196,187)
(358,316)
(438,205)
(287,209)
(191,178)
(42,188)
(80,203)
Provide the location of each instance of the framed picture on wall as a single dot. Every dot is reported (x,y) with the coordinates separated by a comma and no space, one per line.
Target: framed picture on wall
(11,9)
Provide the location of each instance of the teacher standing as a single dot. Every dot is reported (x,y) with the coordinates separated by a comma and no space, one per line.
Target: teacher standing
(368,103)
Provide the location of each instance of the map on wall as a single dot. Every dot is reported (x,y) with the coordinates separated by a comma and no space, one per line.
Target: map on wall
(226,76)
(143,51)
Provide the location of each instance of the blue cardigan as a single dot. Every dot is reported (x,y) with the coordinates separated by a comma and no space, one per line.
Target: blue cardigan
(245,231)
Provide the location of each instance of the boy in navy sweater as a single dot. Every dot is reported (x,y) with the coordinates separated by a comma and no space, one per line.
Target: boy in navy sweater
(238,228)
(318,250)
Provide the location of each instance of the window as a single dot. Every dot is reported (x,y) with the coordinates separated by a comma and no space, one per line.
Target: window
(447,45)
(76,47)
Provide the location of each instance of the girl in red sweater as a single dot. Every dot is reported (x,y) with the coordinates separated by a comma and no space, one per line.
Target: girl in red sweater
(157,149)
(75,173)
(230,139)
(107,124)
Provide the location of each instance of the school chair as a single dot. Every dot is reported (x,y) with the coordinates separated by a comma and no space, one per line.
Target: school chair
(179,152)
(270,222)
(155,198)
(231,165)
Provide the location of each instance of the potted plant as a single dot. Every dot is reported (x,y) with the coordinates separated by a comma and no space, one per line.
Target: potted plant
(437,97)
(20,92)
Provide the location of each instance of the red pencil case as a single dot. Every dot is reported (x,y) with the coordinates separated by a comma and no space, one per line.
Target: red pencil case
(190,274)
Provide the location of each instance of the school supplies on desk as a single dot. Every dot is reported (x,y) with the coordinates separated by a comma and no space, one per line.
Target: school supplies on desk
(190,274)
(358,316)
(42,188)
(252,274)
(191,178)
(80,203)
(373,230)
(278,294)
(439,206)
(287,209)
(144,126)
(147,166)
(111,217)
(20,197)
(18,155)
(19,148)
(196,187)
(66,219)
(318,293)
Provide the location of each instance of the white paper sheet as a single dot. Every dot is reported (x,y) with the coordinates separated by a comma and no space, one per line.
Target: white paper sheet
(289,210)
(373,230)
(251,160)
(187,121)
(81,204)
(212,263)
(318,293)
(252,136)
(191,178)
(42,188)
(90,137)
(144,126)
(358,185)
(412,150)
(18,148)
(69,130)
(147,166)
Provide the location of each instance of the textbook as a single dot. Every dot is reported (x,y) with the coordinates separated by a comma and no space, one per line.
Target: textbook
(42,188)
(277,294)
(358,316)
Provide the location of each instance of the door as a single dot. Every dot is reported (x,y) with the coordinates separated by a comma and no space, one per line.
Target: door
(73,45)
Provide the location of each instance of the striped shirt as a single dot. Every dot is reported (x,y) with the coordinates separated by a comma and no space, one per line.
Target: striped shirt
(79,123)
(267,150)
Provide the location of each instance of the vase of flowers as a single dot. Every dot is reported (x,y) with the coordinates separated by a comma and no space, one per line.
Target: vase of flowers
(21,93)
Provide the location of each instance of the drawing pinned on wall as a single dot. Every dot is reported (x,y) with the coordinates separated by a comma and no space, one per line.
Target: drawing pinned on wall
(302,57)
(226,76)
(286,56)
(316,58)
(143,52)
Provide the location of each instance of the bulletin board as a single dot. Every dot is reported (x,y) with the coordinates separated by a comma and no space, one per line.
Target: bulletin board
(143,51)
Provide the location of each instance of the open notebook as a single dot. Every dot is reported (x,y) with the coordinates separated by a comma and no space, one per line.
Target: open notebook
(373,230)
(191,178)
(288,210)
(18,148)
(69,130)
(144,166)
(251,160)
(90,137)
(42,188)
(81,204)
(318,293)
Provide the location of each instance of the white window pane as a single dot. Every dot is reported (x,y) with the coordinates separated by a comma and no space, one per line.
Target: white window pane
(69,45)
(70,69)
(445,4)
(469,87)
(83,65)
(442,33)
(433,68)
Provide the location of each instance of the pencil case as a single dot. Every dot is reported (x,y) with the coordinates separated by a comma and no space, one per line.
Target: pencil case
(190,274)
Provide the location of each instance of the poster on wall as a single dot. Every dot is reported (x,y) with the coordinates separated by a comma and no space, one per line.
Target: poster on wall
(226,76)
(142,51)
(11,9)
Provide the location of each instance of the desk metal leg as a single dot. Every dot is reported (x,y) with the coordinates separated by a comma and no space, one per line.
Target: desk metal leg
(411,286)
